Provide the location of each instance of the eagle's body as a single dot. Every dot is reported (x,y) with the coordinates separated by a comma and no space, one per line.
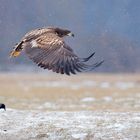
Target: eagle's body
(47,48)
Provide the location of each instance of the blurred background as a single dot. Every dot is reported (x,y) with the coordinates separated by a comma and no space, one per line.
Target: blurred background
(110,28)
(102,105)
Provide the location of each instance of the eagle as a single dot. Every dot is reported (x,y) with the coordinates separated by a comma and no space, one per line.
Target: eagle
(47,48)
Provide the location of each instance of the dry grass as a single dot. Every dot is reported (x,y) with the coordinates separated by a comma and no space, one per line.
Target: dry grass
(116,92)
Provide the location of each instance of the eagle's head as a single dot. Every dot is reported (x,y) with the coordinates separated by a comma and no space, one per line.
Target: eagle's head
(61,32)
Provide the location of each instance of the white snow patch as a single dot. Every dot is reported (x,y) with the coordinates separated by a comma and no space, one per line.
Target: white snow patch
(75,87)
(107,98)
(48,105)
(79,135)
(105,85)
(124,85)
(88,99)
(89,83)
(60,84)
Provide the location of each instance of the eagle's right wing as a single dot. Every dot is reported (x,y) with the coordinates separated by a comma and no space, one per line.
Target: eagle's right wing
(50,52)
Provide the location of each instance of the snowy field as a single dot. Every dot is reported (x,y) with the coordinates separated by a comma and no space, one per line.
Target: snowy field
(82,107)
(58,125)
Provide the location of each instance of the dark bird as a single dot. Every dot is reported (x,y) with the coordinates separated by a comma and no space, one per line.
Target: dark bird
(47,48)
(2,106)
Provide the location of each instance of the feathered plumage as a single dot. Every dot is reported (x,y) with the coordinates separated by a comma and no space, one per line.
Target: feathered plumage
(47,48)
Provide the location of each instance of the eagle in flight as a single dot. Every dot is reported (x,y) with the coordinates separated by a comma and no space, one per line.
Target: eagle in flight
(47,48)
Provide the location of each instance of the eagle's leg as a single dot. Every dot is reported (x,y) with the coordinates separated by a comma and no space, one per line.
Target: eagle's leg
(16,50)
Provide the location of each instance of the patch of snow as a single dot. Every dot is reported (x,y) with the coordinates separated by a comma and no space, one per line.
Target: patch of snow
(88,99)
(107,98)
(79,135)
(124,85)
(60,84)
(75,87)
(47,105)
(105,85)
(89,83)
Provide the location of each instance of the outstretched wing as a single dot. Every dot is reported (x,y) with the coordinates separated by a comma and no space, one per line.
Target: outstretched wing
(51,52)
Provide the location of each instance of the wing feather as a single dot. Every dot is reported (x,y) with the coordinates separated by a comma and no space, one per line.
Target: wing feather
(54,54)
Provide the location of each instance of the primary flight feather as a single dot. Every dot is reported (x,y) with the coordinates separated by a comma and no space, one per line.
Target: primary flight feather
(47,48)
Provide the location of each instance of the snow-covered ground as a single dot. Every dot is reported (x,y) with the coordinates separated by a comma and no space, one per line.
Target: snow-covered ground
(84,107)
(79,125)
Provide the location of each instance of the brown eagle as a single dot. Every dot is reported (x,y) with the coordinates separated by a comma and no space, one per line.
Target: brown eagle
(47,48)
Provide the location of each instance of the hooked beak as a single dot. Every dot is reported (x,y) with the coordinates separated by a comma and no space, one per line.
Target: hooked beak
(70,34)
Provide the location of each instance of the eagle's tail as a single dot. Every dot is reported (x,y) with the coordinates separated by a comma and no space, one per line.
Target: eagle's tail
(16,50)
